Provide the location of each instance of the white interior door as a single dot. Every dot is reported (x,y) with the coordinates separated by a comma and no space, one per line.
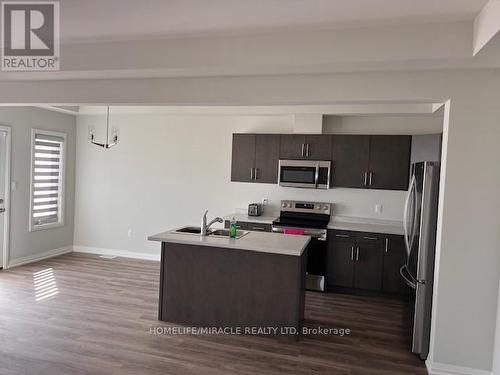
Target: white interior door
(3,169)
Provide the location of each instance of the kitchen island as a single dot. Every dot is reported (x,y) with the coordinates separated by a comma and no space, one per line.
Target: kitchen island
(257,280)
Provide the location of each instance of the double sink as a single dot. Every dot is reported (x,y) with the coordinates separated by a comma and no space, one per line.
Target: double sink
(223,233)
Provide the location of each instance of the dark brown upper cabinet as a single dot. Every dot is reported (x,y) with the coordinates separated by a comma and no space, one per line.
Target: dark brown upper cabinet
(389,162)
(313,147)
(373,162)
(255,158)
(351,154)
(243,158)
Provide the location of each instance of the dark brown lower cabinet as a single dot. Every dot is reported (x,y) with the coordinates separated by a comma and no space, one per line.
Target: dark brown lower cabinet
(368,266)
(340,267)
(244,225)
(365,261)
(394,258)
(239,224)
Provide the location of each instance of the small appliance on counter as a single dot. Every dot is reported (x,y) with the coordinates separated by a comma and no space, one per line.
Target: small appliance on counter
(255,209)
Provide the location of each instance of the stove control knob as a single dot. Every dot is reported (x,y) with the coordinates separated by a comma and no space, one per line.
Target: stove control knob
(325,208)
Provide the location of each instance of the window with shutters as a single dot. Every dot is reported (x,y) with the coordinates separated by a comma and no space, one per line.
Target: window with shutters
(47,179)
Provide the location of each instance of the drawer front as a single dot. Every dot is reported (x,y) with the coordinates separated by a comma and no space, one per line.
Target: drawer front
(371,239)
(239,225)
(258,227)
(342,235)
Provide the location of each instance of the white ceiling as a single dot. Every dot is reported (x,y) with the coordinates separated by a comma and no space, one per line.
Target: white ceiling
(133,19)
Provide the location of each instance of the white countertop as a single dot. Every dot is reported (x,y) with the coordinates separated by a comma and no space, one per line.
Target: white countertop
(355,224)
(358,224)
(265,242)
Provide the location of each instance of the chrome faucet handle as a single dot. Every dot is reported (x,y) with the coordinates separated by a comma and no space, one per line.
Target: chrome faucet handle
(203,226)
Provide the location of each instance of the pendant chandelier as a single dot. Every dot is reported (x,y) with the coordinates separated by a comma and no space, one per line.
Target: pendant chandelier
(106,145)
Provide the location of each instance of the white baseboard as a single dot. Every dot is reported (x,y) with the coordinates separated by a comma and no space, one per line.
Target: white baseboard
(39,257)
(434,368)
(115,252)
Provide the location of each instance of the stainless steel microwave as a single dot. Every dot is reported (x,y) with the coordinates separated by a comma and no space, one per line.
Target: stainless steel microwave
(312,174)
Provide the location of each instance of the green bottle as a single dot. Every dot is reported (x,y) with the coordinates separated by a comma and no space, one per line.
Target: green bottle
(232,228)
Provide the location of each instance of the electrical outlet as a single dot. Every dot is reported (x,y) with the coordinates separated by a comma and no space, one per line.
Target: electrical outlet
(379,207)
(14,186)
(264,202)
(130,233)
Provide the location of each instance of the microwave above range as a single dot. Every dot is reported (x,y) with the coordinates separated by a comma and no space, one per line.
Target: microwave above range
(312,174)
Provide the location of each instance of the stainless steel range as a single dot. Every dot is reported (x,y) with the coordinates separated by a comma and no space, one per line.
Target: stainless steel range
(308,219)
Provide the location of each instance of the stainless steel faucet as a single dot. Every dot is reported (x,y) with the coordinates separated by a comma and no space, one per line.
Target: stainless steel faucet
(206,227)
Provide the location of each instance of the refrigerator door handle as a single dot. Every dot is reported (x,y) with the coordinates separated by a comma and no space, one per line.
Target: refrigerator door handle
(405,215)
(411,283)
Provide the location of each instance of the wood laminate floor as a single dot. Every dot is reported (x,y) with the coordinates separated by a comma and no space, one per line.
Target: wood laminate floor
(82,314)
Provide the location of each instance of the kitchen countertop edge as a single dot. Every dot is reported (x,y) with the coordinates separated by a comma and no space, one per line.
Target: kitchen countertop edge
(263,242)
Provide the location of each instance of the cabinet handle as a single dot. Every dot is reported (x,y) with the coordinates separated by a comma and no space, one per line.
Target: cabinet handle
(366,178)
(357,253)
(259,228)
(342,235)
(371,178)
(371,238)
(352,253)
(251,174)
(307,149)
(302,153)
(386,245)
(256,174)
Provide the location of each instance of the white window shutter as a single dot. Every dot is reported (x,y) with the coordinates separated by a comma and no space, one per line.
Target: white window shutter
(47,179)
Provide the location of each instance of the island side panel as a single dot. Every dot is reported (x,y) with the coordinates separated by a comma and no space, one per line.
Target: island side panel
(162,273)
(212,286)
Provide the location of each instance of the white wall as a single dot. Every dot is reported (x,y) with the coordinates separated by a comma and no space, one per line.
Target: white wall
(25,244)
(393,124)
(168,168)
(496,352)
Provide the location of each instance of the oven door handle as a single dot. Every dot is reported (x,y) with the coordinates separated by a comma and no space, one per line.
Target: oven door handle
(316,176)
(321,236)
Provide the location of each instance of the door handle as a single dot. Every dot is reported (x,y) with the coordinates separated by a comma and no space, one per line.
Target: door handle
(366,178)
(357,253)
(302,153)
(251,173)
(307,149)
(258,229)
(256,174)
(386,245)
(352,253)
(370,179)
(316,175)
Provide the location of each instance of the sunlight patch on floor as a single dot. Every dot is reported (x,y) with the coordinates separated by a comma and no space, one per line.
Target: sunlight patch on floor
(45,284)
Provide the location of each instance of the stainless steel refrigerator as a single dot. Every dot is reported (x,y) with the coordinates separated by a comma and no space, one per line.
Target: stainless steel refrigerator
(420,226)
